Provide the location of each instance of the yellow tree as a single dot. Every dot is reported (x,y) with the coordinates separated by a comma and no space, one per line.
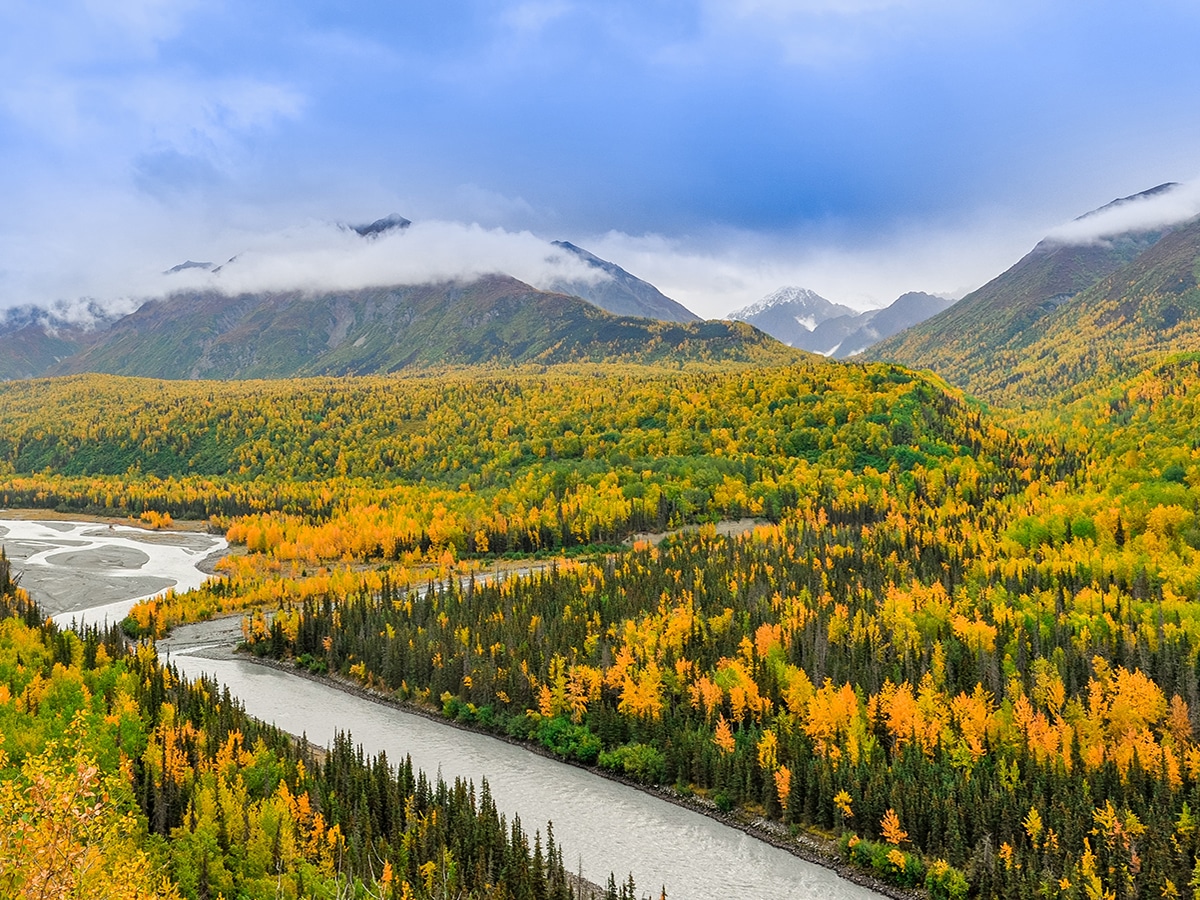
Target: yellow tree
(62,835)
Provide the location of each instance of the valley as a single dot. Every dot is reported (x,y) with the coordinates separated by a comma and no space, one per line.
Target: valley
(941,615)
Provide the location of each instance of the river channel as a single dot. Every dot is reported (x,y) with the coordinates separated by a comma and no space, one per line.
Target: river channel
(602,825)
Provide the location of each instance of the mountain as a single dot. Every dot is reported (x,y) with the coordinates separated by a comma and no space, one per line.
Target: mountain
(962,342)
(34,339)
(875,325)
(792,315)
(190,264)
(619,292)
(1126,322)
(495,319)
(393,222)
(804,319)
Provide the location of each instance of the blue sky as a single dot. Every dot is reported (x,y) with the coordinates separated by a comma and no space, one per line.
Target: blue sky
(862,148)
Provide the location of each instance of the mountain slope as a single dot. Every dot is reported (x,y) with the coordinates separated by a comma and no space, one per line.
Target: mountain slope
(493,319)
(875,325)
(1124,323)
(619,292)
(959,342)
(33,339)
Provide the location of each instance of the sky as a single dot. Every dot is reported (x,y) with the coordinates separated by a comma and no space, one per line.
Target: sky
(718,148)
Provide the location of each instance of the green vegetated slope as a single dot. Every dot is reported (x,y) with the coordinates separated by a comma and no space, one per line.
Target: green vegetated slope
(1064,318)
(118,780)
(971,342)
(989,658)
(966,640)
(1115,328)
(494,319)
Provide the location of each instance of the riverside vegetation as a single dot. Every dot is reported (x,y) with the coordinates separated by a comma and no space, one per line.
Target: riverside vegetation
(119,780)
(965,642)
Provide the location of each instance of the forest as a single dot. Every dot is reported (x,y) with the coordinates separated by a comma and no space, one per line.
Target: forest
(119,780)
(962,640)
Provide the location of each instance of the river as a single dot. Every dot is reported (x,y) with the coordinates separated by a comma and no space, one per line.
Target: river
(602,825)
(92,572)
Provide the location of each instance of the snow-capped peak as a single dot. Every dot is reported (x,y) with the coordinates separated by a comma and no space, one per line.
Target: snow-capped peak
(803,298)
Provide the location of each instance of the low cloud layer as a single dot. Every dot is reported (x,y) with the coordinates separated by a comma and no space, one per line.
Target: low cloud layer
(327,257)
(723,272)
(1167,207)
(118,273)
(710,274)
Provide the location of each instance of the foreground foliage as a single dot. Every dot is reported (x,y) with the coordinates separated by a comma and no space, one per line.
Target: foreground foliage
(119,780)
(967,642)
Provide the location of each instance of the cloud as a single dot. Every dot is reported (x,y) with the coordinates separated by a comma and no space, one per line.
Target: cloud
(834,35)
(532,16)
(1142,212)
(317,256)
(473,203)
(86,256)
(90,88)
(784,9)
(725,271)
(141,22)
(325,257)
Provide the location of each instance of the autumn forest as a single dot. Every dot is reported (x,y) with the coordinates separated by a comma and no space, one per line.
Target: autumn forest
(958,642)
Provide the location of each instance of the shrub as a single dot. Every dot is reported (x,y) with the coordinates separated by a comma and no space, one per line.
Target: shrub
(565,738)
(944,882)
(639,761)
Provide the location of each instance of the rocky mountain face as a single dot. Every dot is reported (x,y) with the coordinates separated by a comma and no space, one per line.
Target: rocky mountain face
(793,315)
(804,319)
(875,325)
(619,292)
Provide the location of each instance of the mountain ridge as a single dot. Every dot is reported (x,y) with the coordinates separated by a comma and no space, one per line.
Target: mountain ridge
(620,293)
(1065,316)
(802,318)
(959,341)
(494,319)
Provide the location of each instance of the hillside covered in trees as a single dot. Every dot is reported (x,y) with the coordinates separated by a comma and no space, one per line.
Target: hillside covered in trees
(119,780)
(1066,320)
(967,641)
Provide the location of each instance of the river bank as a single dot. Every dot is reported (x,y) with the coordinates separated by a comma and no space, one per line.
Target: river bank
(195,526)
(811,847)
(697,851)
(96,568)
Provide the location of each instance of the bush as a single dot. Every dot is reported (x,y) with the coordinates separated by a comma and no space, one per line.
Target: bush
(522,726)
(639,761)
(458,709)
(565,738)
(891,863)
(944,882)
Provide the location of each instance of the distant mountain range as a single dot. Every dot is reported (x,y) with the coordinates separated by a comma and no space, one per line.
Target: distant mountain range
(804,319)
(1065,314)
(210,334)
(1069,315)
(495,319)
